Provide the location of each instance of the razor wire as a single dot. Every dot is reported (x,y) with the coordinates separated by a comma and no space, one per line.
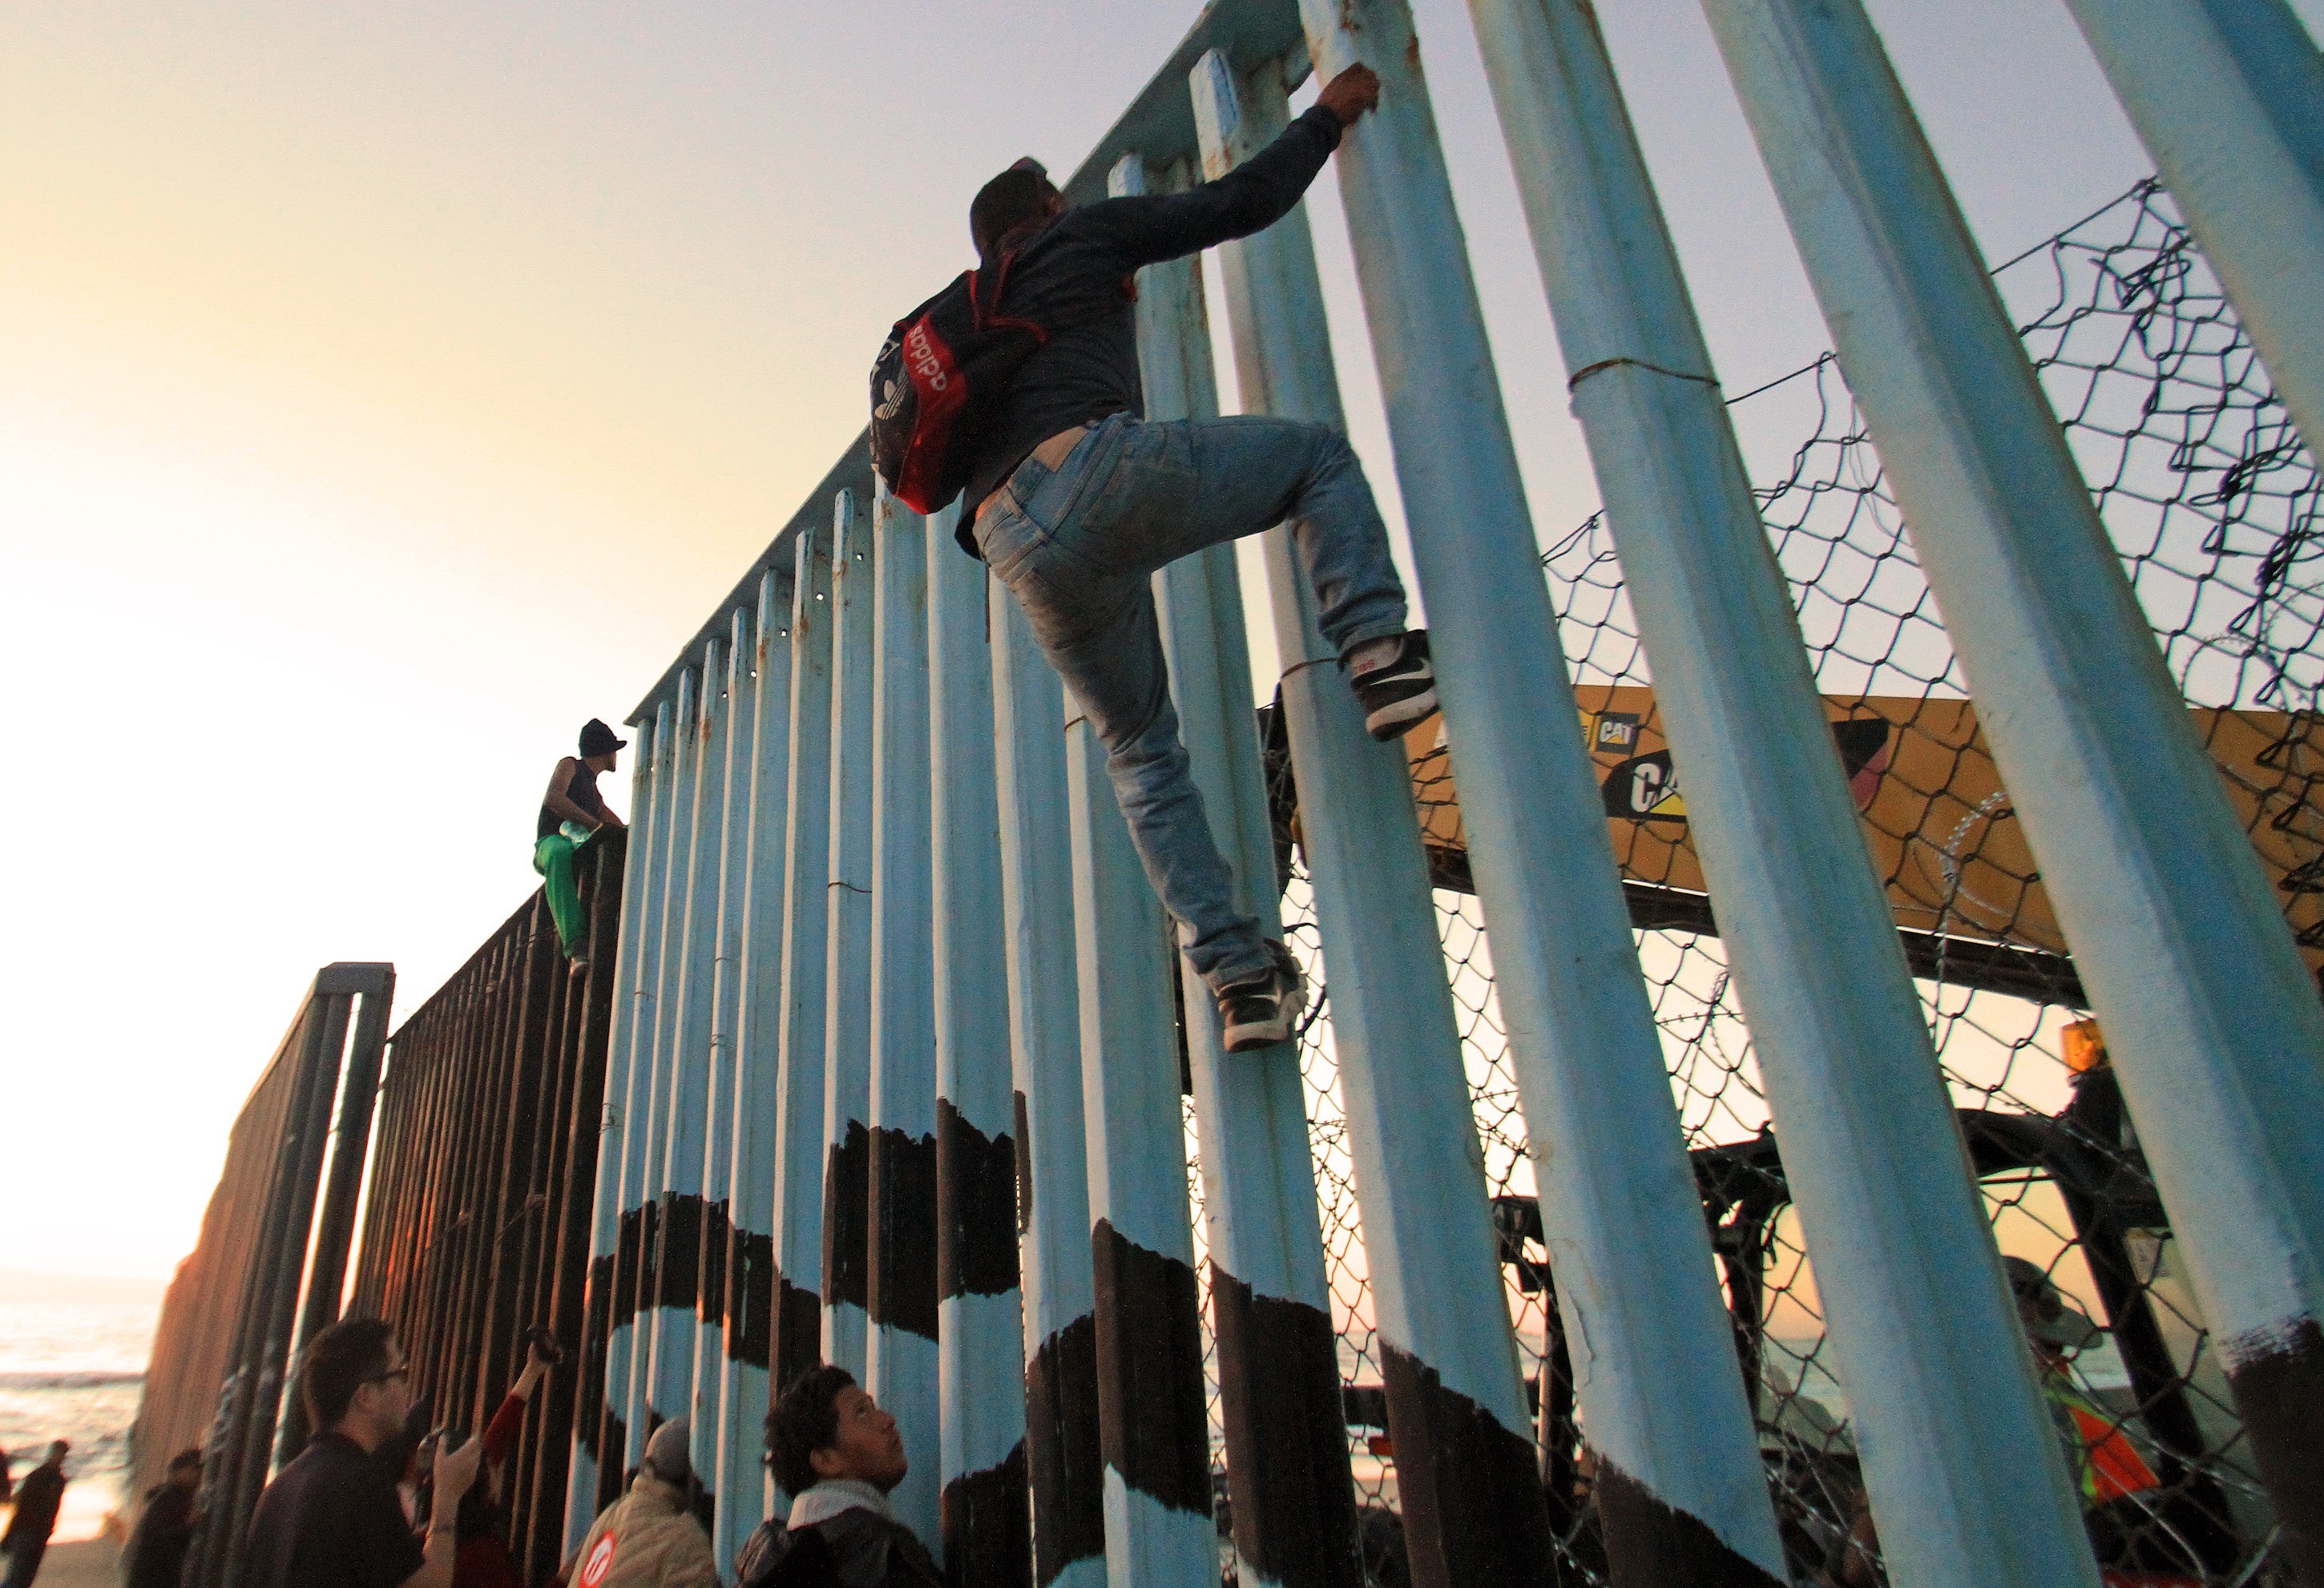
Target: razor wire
(2211,499)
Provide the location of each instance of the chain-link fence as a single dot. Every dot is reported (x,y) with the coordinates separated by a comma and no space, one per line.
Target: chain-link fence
(2211,500)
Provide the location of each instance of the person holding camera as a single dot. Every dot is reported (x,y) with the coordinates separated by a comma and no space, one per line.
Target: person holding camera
(331,1517)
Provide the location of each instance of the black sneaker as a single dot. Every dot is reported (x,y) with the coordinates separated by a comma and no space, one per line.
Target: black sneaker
(1265,1010)
(1401,692)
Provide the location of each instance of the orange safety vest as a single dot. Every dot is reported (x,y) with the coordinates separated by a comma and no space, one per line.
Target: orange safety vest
(2106,1464)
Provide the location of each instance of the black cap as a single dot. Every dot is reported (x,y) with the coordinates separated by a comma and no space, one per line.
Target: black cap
(597,739)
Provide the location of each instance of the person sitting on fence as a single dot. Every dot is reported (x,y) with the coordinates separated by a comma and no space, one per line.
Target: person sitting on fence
(648,1537)
(331,1518)
(40,1495)
(481,1523)
(156,1555)
(839,1456)
(1076,501)
(570,812)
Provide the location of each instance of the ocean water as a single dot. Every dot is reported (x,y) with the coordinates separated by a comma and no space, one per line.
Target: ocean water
(74,1370)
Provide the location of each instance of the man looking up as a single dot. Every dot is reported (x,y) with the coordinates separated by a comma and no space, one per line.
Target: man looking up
(570,812)
(331,1517)
(839,1456)
(1076,501)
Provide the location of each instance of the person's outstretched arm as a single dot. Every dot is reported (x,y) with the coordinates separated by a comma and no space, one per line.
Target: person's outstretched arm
(1249,198)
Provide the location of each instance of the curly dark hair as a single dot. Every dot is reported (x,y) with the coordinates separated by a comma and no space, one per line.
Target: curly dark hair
(805,1419)
(337,1362)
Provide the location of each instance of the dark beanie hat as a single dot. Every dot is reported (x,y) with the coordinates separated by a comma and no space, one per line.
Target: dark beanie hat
(597,739)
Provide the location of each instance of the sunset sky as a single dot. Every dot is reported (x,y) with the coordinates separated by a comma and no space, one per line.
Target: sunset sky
(386,389)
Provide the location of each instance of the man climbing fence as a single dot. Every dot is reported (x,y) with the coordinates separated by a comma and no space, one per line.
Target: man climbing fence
(1016,388)
(571,813)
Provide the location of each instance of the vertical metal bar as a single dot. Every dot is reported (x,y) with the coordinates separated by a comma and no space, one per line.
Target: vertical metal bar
(1466,1471)
(1294,1499)
(847,947)
(795,1218)
(980,1336)
(281,1254)
(652,1086)
(2224,93)
(687,1061)
(1681,1490)
(2211,1019)
(1064,1462)
(1153,1425)
(596,1367)
(900,1229)
(734,1461)
(335,1222)
(581,1274)
(739,753)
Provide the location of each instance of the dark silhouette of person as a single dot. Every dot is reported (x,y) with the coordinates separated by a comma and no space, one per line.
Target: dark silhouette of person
(39,1496)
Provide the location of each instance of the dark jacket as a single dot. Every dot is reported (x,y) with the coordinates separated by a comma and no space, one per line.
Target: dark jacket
(40,1493)
(157,1550)
(855,1549)
(1072,277)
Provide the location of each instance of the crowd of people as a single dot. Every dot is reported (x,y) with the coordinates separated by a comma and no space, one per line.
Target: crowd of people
(375,1502)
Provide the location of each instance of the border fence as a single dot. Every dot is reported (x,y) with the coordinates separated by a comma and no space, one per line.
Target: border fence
(1817,892)
(270,1266)
(477,1224)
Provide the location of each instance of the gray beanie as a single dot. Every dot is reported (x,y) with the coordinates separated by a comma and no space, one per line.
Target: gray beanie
(666,1452)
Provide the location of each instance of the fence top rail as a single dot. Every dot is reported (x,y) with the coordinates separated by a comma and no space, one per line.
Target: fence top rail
(1158,125)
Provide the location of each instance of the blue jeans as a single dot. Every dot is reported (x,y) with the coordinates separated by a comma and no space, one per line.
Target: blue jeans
(1078,547)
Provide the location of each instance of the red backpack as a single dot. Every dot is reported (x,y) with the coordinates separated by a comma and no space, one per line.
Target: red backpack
(935,381)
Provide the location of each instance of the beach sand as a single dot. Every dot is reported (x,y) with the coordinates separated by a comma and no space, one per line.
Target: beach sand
(90,1563)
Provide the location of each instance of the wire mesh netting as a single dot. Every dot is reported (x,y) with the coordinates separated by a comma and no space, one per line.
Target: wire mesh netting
(2211,500)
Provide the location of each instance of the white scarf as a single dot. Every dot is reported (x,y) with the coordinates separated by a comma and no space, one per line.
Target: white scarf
(834,1495)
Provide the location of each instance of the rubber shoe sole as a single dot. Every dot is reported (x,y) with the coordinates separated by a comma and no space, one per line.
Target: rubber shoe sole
(1402,694)
(1259,1014)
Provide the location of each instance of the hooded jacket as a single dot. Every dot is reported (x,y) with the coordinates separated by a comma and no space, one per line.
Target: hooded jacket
(648,1538)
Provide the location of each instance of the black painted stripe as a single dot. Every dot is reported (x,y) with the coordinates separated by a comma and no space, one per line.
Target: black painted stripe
(749,1296)
(1151,1420)
(1649,1542)
(1295,1501)
(710,1300)
(597,1330)
(1473,1510)
(630,1237)
(2279,1388)
(987,1543)
(678,1271)
(1065,1451)
(846,1186)
(901,1283)
(799,1335)
(976,1207)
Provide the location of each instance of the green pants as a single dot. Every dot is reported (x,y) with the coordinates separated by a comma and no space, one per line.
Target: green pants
(552,856)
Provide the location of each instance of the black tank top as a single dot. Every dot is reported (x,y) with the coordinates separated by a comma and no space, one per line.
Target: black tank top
(582,791)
